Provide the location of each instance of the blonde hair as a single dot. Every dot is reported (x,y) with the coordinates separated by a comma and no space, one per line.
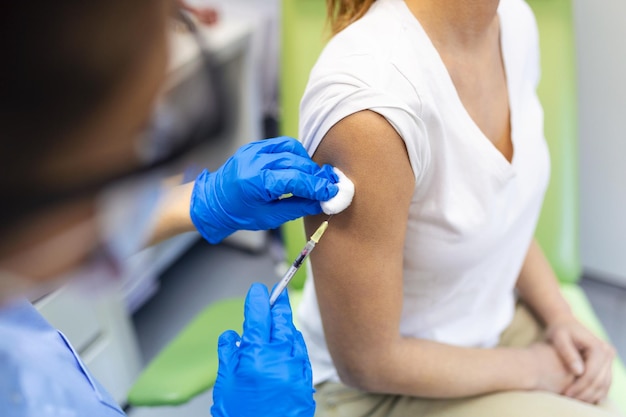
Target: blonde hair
(342,13)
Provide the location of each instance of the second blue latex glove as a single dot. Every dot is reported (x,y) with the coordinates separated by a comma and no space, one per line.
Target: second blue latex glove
(266,372)
(244,193)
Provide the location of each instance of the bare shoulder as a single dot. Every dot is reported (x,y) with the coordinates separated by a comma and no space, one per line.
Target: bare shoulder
(363,145)
(372,154)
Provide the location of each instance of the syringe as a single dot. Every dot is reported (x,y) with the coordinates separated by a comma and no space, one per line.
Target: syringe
(298,262)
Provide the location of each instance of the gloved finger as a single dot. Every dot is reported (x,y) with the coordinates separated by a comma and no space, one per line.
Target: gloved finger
(300,353)
(294,208)
(282,320)
(327,171)
(281,144)
(300,184)
(257,318)
(287,160)
(227,350)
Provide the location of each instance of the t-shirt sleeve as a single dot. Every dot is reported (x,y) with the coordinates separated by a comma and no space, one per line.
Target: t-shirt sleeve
(338,88)
(535,55)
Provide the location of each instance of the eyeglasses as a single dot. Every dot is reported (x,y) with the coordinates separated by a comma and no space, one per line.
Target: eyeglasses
(166,140)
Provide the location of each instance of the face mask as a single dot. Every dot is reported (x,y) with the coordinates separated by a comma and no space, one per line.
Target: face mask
(125,218)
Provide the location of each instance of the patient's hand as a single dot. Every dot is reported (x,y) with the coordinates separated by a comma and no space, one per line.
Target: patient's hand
(589,358)
(551,373)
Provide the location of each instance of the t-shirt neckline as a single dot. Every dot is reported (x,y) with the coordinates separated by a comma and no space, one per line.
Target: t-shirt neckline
(498,160)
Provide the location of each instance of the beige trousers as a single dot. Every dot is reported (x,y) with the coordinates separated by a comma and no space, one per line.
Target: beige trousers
(338,400)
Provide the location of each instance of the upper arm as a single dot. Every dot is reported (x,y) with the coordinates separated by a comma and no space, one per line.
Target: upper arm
(358,264)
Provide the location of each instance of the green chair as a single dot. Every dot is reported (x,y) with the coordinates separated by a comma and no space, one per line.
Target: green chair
(188,366)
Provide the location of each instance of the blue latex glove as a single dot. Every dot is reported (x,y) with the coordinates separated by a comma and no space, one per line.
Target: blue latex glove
(244,192)
(269,373)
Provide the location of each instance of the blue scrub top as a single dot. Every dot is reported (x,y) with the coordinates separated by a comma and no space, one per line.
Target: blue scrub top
(41,374)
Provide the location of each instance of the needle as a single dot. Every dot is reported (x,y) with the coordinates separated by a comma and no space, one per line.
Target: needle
(308,248)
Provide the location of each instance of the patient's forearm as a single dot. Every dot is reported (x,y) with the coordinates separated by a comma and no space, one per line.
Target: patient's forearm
(428,369)
(538,287)
(172,216)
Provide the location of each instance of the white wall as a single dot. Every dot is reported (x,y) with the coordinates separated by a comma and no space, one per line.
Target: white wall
(601,47)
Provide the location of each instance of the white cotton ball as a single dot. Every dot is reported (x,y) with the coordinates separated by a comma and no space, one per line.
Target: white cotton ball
(342,200)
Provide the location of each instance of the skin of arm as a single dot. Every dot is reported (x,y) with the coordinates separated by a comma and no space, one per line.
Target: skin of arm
(538,287)
(587,356)
(172,217)
(358,280)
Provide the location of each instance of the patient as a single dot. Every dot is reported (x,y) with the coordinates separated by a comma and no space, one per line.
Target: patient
(435,299)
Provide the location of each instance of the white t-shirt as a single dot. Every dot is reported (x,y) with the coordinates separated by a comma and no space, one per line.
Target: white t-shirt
(473,214)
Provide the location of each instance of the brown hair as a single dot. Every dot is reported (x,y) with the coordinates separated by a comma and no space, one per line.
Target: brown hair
(61,60)
(342,13)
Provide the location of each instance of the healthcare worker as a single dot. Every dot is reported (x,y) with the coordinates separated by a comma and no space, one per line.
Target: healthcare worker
(77,86)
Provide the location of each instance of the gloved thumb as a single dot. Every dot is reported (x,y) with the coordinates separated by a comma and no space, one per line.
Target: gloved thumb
(299,183)
(283,329)
(296,207)
(257,321)
(227,349)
